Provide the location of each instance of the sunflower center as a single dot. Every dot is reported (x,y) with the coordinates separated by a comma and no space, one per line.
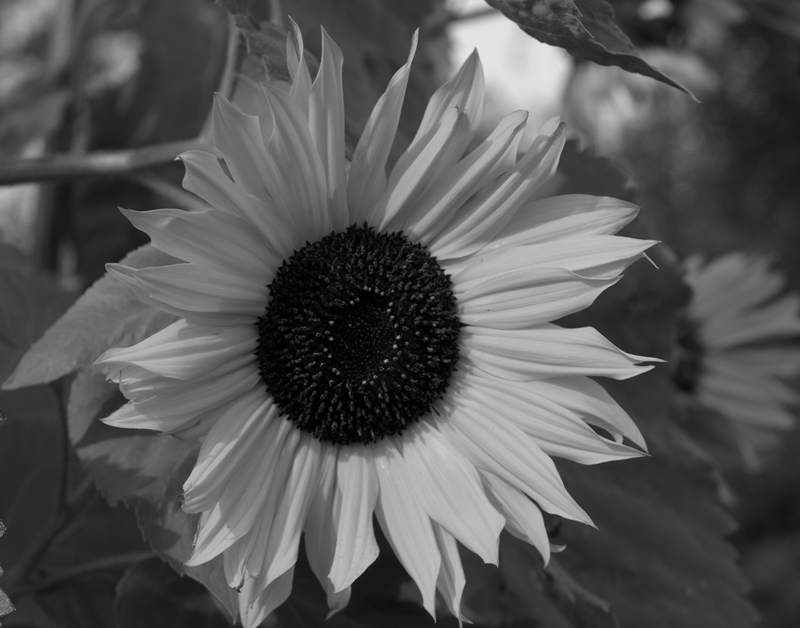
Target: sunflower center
(689,364)
(360,335)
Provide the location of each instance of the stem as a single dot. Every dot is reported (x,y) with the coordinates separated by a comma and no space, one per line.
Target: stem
(15,579)
(101,564)
(97,164)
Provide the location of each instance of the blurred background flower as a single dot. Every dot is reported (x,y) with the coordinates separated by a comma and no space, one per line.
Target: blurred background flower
(737,342)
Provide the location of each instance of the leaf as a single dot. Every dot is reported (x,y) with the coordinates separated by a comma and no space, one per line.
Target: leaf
(151,595)
(32,302)
(584,28)
(31,463)
(106,315)
(6,606)
(145,471)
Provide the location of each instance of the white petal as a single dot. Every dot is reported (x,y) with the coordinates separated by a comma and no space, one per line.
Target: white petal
(450,491)
(451,578)
(403,189)
(204,177)
(589,400)
(565,216)
(222,241)
(367,180)
(230,442)
(523,518)
(284,539)
(238,137)
(175,408)
(326,121)
(499,447)
(521,299)
(587,255)
(299,183)
(321,528)
(405,523)
(356,548)
(465,92)
(255,604)
(547,351)
(436,206)
(482,218)
(198,294)
(298,68)
(557,430)
(185,350)
(250,495)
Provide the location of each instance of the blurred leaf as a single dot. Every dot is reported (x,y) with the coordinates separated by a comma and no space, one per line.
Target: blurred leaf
(6,606)
(29,614)
(31,459)
(146,472)
(106,315)
(31,303)
(584,28)
(152,595)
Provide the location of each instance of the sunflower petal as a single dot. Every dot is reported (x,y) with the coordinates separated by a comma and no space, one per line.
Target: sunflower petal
(405,523)
(356,548)
(367,180)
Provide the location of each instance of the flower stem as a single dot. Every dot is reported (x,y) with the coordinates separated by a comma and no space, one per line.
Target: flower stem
(97,164)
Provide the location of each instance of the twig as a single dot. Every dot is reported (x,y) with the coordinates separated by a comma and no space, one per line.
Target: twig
(101,564)
(97,164)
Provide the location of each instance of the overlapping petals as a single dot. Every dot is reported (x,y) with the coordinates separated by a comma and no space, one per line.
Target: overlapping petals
(748,332)
(520,396)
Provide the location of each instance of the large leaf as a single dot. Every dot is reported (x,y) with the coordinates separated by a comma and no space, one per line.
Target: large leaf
(151,595)
(31,462)
(584,28)
(107,315)
(31,303)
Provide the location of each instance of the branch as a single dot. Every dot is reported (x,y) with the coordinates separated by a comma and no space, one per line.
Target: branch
(97,164)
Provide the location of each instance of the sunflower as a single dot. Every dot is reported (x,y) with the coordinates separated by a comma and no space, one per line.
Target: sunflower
(733,350)
(351,343)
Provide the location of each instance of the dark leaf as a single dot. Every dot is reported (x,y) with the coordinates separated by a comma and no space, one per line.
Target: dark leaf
(31,453)
(106,315)
(584,28)
(31,303)
(152,595)
(6,606)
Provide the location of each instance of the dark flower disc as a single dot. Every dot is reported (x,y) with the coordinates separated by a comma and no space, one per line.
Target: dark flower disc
(360,335)
(689,365)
